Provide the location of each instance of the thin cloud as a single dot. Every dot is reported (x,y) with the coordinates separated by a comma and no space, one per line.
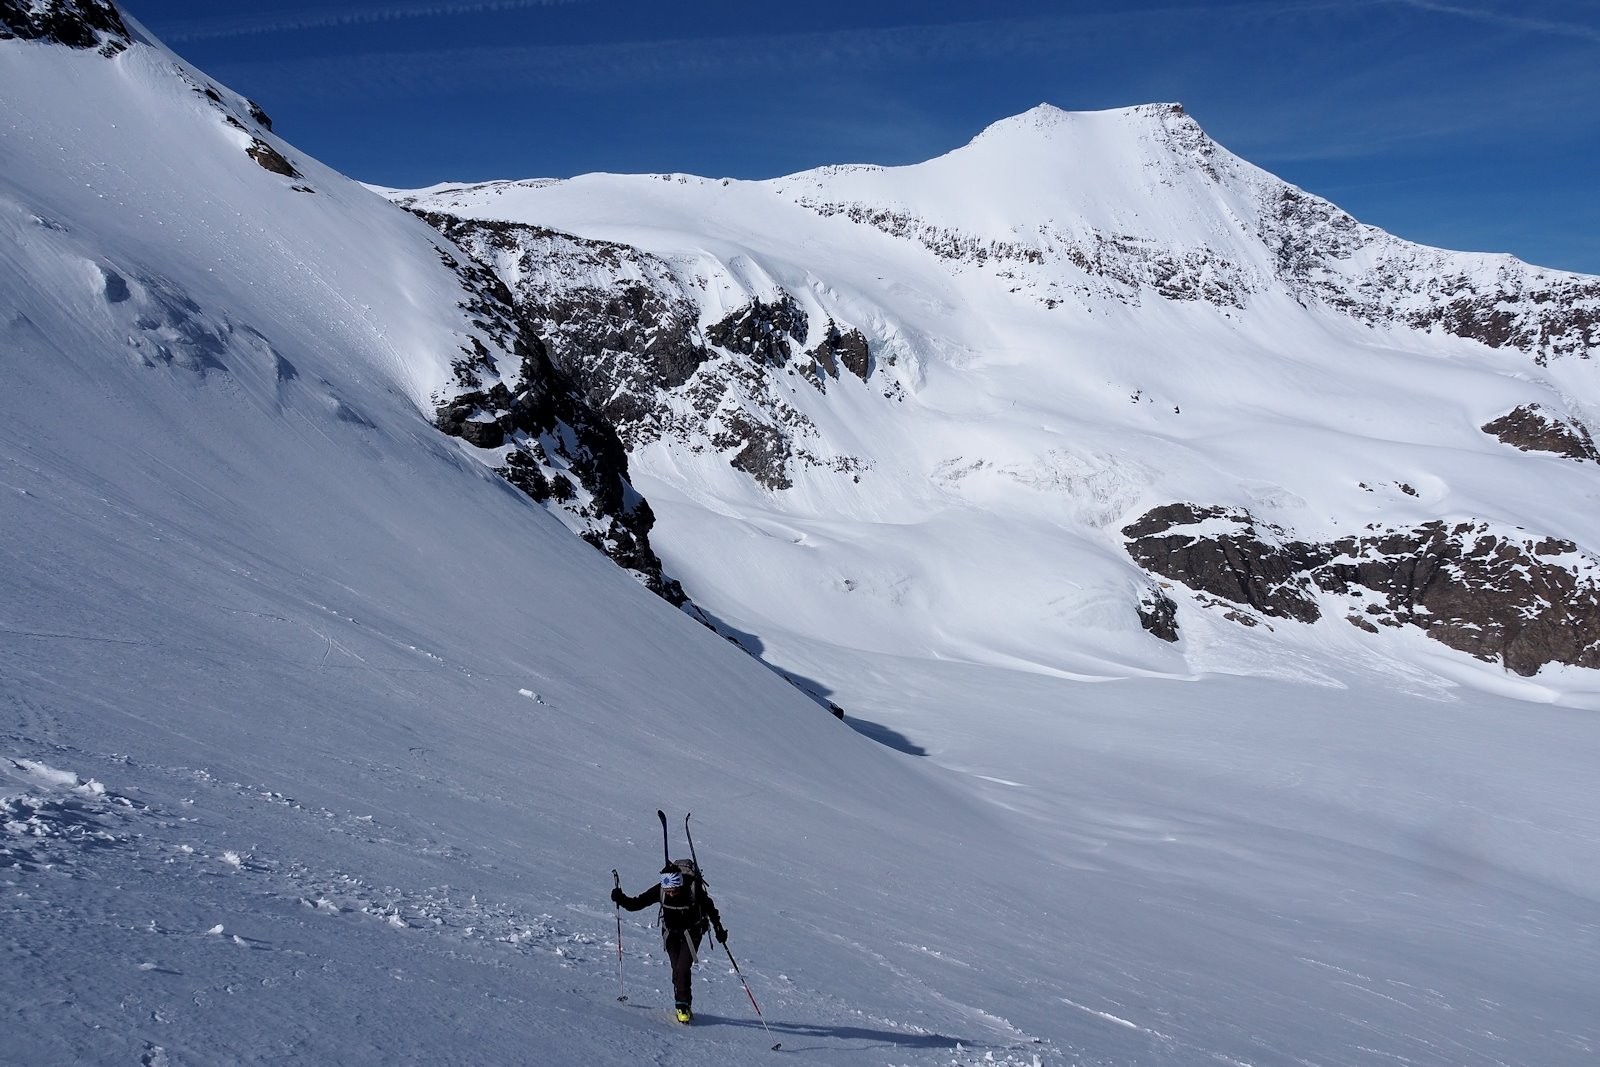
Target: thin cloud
(622,62)
(1352,119)
(646,61)
(1568,30)
(1428,113)
(300,21)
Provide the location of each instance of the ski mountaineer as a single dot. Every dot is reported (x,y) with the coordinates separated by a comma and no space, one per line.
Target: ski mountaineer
(687,911)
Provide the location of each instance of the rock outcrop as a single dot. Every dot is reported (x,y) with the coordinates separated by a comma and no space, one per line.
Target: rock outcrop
(1158,613)
(1228,555)
(1495,300)
(626,326)
(557,449)
(768,332)
(1500,595)
(1533,429)
(838,349)
(75,23)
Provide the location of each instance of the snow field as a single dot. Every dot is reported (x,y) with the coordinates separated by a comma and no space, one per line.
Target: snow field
(318,744)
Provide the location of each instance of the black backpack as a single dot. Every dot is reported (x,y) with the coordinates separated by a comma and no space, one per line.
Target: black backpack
(686,902)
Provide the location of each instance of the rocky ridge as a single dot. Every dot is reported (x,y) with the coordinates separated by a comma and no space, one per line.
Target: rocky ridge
(550,443)
(1322,253)
(81,24)
(628,328)
(1501,595)
(1309,247)
(1533,429)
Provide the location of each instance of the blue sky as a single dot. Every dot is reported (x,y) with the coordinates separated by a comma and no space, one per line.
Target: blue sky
(1471,124)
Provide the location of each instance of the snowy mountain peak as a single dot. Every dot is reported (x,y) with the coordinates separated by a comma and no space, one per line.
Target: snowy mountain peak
(1047,118)
(1047,175)
(1043,117)
(1046,128)
(1051,325)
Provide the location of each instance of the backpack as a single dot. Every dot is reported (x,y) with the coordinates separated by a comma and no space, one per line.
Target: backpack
(688,898)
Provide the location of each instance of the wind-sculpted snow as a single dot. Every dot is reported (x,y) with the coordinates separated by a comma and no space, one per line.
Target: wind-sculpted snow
(50,817)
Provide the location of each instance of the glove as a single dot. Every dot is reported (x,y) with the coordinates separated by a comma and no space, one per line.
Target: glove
(618,896)
(722,934)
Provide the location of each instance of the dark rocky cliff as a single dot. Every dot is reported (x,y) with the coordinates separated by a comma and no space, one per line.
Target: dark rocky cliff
(75,23)
(1501,595)
(553,445)
(620,323)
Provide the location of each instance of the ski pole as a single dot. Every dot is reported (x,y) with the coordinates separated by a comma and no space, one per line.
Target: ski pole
(695,857)
(749,994)
(622,989)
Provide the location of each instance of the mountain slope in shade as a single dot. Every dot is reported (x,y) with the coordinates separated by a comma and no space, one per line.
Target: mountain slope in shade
(318,743)
(945,403)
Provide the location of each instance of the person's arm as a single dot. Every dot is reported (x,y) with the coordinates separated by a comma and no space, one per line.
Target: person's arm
(708,908)
(643,900)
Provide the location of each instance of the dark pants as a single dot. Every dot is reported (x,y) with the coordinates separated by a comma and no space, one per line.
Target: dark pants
(682,948)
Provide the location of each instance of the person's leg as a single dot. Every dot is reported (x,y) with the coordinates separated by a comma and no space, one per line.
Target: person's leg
(681,953)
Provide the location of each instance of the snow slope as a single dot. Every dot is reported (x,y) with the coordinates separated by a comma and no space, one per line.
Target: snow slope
(318,743)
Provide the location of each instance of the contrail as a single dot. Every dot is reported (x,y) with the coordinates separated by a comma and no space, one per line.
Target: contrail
(638,61)
(297,21)
(1514,21)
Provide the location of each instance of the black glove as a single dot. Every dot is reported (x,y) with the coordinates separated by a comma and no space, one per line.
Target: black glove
(618,896)
(722,934)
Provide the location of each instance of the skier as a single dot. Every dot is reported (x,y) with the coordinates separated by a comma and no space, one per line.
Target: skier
(687,911)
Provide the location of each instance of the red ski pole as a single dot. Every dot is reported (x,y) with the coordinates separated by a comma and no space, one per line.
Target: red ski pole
(622,989)
(747,992)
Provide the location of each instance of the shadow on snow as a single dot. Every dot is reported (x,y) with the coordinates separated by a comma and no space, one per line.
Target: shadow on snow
(875,1038)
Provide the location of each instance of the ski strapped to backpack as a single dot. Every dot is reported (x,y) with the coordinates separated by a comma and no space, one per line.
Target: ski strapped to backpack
(680,878)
